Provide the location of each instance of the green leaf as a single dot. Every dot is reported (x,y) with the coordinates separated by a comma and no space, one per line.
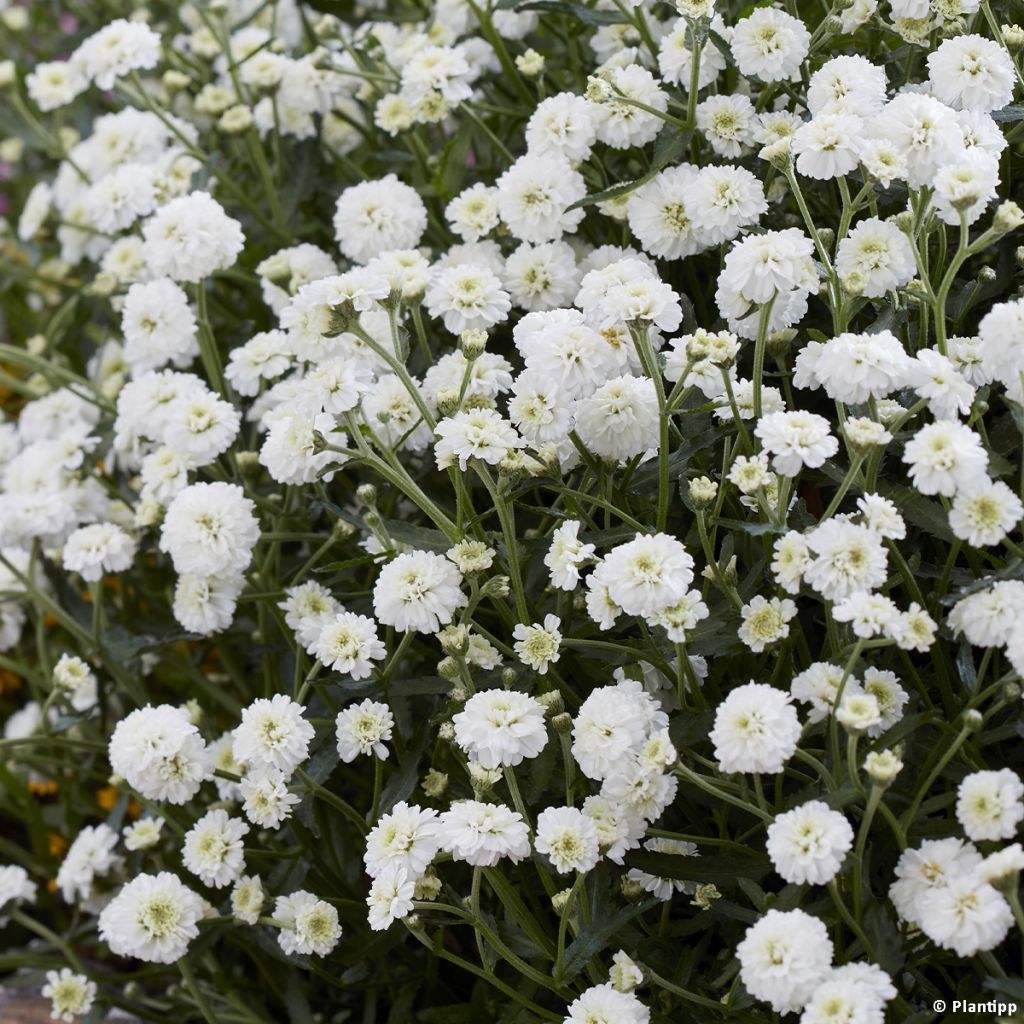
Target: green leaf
(724,869)
(587,15)
(1013,113)
(597,936)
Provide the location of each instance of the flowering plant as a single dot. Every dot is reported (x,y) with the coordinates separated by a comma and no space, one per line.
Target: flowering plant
(511,510)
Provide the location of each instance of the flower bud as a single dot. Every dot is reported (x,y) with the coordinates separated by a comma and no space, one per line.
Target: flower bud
(12,150)
(624,975)
(8,74)
(779,154)
(366,495)
(447,399)
(552,701)
(530,64)
(1013,36)
(703,492)
(883,766)
(427,886)
(973,720)
(235,120)
(562,723)
(599,90)
(1009,217)
(174,81)
(859,712)
(509,677)
(483,779)
(446,732)
(474,344)
(448,668)
(560,900)
(496,586)
(454,640)
(632,890)
(434,784)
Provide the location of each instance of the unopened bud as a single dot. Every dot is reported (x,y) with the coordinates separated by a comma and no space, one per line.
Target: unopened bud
(448,668)
(435,783)
(530,64)
(447,400)
(509,676)
(496,586)
(1009,217)
(973,720)
(632,890)
(366,495)
(474,343)
(883,766)
(703,492)
(562,723)
(454,640)
(174,81)
(552,701)
(560,901)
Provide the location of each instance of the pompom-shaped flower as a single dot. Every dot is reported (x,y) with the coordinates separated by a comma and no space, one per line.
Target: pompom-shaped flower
(604,1004)
(153,918)
(100,548)
(191,237)
(418,591)
(990,804)
(482,834)
(783,957)
(970,72)
(620,419)
(756,730)
(210,528)
(770,44)
(374,217)
(213,848)
(363,728)
(308,924)
(647,574)
(273,734)
(808,843)
(349,644)
(501,727)
(534,196)
(568,838)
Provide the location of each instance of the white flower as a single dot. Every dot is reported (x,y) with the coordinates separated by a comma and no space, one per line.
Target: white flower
(784,956)
(290,451)
(349,644)
(153,918)
(849,83)
(990,804)
(534,196)
(945,457)
(868,614)
(501,727)
(89,857)
(934,864)
(209,529)
(566,555)
(206,604)
(247,899)
(765,621)
(100,548)
(568,838)
(562,125)
(624,974)
(266,799)
(116,49)
(542,276)
(659,215)
(818,685)
(970,72)
(848,559)
(854,367)
(876,255)
(418,591)
(967,915)
(473,213)
(273,734)
(200,426)
(1001,866)
(390,898)
(604,1004)
(213,848)
(756,730)
(770,44)
(621,125)
(363,728)
(985,513)
(15,887)
(308,925)
(809,843)
(376,216)
(537,645)
(610,726)
(849,994)
(469,297)
(729,121)
(923,130)
(647,574)
(159,752)
(158,326)
(884,686)
(796,439)
(477,434)
(406,837)
(965,186)
(142,834)
(827,146)
(71,994)
(437,69)
(54,84)
(481,834)
(882,516)
(620,419)
(191,237)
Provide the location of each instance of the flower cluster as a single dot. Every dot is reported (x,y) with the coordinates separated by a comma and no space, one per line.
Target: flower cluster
(494,494)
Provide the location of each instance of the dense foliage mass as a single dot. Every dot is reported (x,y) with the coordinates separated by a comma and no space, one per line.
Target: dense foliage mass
(511,512)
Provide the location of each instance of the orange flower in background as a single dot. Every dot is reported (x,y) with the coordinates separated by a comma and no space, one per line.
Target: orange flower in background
(10,682)
(107,797)
(57,845)
(42,787)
